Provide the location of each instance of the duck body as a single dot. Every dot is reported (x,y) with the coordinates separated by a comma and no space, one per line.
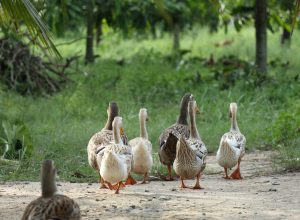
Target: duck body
(169,137)
(200,149)
(167,142)
(98,141)
(187,165)
(232,147)
(104,136)
(51,205)
(115,160)
(142,155)
(191,153)
(142,148)
(116,163)
(55,207)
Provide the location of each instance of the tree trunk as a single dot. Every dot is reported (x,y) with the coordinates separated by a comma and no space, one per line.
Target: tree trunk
(89,56)
(176,39)
(99,32)
(285,36)
(261,36)
(153,31)
(98,26)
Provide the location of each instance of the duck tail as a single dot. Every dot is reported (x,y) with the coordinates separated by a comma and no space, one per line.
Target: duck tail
(183,148)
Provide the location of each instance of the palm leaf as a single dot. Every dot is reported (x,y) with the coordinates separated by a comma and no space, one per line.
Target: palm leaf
(15,12)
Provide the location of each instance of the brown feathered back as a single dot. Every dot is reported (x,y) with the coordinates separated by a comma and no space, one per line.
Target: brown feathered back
(51,205)
(167,150)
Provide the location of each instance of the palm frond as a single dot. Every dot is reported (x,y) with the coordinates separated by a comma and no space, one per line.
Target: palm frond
(15,12)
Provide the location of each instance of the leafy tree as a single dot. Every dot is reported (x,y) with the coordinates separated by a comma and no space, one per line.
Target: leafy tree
(267,14)
(65,15)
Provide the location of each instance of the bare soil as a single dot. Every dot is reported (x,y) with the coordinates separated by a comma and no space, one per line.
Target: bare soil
(262,194)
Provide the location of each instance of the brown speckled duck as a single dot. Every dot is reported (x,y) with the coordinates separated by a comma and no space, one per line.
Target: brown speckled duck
(191,153)
(102,138)
(51,205)
(167,142)
(232,146)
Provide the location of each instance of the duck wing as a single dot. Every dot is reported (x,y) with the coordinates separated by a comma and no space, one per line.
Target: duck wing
(167,153)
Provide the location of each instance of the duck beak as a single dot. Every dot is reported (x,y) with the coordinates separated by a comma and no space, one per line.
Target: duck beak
(122,131)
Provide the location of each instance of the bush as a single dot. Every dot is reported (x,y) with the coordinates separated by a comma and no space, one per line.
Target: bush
(15,140)
(286,126)
(285,135)
(27,73)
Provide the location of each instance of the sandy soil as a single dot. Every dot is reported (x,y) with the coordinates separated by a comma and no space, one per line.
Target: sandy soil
(262,194)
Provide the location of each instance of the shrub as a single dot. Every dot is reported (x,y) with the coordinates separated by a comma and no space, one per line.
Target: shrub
(285,135)
(15,140)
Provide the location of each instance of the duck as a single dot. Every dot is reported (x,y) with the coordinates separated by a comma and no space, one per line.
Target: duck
(115,161)
(191,153)
(232,146)
(102,138)
(51,205)
(168,138)
(142,148)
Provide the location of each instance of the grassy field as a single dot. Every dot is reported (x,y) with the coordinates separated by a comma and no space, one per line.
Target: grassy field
(150,77)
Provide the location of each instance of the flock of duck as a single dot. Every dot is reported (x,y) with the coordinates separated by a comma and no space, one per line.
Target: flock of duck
(114,157)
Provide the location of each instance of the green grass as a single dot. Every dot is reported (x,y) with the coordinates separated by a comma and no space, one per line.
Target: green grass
(62,124)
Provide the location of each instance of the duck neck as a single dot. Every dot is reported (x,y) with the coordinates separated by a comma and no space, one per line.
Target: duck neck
(193,126)
(143,129)
(117,135)
(182,119)
(109,121)
(48,185)
(234,125)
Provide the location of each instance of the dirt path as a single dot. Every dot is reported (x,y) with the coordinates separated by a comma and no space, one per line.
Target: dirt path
(261,195)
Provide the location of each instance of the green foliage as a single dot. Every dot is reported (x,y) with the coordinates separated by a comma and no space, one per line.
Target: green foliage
(62,15)
(15,140)
(141,73)
(286,127)
(285,135)
(241,12)
(289,155)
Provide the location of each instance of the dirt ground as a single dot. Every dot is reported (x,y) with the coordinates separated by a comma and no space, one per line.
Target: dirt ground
(262,194)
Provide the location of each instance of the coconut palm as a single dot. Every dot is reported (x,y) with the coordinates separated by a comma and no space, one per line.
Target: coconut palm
(13,13)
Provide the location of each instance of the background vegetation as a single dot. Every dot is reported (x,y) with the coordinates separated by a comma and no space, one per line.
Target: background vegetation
(137,66)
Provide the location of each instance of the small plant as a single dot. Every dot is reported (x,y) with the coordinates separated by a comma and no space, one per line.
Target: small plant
(15,140)
(289,155)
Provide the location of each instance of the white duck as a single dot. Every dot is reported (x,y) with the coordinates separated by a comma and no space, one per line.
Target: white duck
(232,146)
(191,154)
(115,160)
(102,138)
(142,148)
